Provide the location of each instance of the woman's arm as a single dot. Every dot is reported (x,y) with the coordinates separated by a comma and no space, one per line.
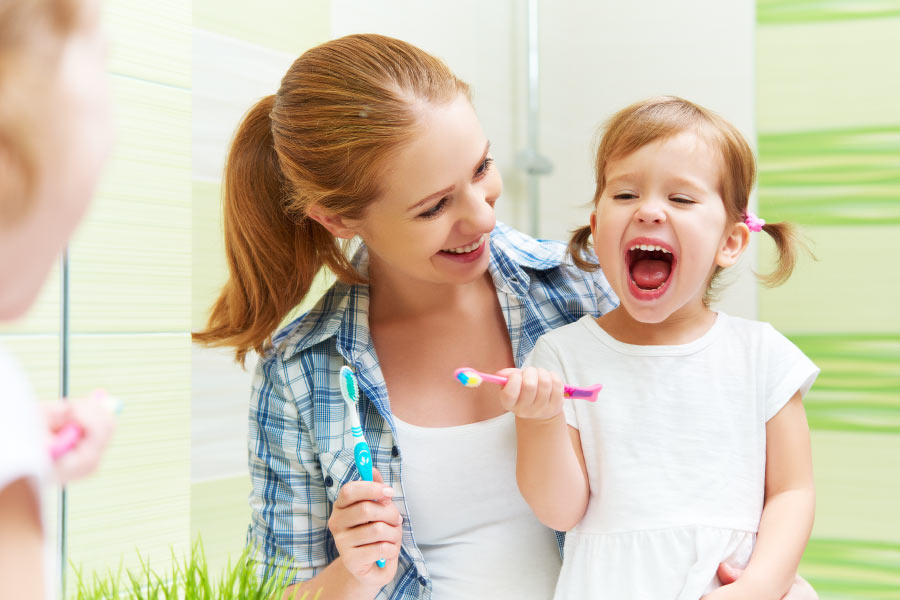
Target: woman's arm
(21,543)
(787,515)
(550,466)
(362,535)
(292,518)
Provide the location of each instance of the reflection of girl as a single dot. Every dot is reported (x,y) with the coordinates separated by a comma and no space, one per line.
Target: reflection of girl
(688,394)
(54,136)
(371,137)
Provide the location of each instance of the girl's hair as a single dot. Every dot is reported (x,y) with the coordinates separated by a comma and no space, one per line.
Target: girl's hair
(32,33)
(342,110)
(663,117)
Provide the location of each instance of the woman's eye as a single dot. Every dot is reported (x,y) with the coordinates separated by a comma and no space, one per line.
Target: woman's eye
(434,210)
(484,166)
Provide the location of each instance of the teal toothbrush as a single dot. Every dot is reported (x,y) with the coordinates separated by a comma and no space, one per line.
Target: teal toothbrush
(361,454)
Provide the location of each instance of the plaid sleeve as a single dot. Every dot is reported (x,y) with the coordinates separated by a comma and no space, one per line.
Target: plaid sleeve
(289,508)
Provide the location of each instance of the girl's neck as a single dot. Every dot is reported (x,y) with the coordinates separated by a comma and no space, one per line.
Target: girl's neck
(681,327)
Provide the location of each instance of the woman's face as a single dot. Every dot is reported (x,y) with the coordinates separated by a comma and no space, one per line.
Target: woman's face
(433,220)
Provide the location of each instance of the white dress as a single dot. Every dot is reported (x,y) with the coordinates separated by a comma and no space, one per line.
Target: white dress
(23,452)
(675,453)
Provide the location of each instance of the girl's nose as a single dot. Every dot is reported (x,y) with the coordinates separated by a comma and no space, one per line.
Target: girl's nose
(651,210)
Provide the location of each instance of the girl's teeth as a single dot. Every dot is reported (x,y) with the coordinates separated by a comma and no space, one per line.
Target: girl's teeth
(464,249)
(649,247)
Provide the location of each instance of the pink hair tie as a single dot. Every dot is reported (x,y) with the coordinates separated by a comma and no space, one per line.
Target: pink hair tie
(753,222)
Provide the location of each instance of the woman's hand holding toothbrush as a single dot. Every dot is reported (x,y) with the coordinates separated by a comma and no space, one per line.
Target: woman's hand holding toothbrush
(366,526)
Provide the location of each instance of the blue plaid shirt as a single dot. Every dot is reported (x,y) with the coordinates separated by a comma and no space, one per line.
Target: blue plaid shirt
(300,445)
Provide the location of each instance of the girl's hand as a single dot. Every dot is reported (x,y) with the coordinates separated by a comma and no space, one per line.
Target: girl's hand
(532,393)
(96,421)
(366,526)
(800,589)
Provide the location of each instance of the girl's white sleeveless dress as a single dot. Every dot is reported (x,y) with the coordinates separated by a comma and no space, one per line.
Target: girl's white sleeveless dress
(675,450)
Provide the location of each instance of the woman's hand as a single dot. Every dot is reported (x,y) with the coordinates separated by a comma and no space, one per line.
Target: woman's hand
(800,589)
(532,393)
(96,421)
(366,526)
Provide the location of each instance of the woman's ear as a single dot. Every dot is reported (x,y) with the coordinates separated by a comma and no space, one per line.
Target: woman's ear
(734,242)
(336,225)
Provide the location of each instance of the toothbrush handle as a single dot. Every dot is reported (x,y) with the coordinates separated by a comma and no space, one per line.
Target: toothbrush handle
(569,391)
(65,439)
(363,459)
(498,379)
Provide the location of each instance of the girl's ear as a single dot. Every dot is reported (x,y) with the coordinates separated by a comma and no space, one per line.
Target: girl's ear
(734,242)
(336,225)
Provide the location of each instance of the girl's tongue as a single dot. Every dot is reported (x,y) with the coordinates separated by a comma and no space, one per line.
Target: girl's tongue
(649,273)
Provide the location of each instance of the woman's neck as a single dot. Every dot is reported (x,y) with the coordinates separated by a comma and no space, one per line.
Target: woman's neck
(392,298)
(682,327)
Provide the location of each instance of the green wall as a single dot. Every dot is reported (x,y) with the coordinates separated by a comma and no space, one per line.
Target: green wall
(829,154)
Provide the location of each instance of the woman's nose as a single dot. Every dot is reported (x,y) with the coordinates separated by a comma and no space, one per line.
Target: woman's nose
(478,210)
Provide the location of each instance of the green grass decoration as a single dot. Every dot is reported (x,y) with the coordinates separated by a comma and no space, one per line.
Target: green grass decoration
(189,579)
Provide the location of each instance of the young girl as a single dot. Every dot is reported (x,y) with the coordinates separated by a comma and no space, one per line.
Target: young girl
(689,393)
(54,137)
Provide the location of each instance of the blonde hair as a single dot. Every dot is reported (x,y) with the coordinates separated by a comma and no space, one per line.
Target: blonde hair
(663,117)
(342,109)
(32,33)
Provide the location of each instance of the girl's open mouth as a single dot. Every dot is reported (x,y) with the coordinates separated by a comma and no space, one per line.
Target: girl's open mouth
(650,267)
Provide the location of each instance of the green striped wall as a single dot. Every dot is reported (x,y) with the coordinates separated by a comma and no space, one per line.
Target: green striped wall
(829,155)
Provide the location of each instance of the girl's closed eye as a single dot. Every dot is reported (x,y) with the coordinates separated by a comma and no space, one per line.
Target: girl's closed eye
(682,199)
(624,196)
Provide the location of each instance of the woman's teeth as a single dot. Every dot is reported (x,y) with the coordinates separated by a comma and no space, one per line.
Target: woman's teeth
(464,249)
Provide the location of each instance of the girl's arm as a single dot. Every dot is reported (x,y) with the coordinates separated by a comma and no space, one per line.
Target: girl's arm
(550,467)
(21,543)
(787,516)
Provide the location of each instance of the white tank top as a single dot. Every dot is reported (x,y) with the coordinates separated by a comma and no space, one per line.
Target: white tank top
(476,532)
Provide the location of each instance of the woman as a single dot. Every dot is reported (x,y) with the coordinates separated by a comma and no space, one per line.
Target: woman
(373,138)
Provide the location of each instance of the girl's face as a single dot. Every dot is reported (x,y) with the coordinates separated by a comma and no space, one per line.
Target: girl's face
(433,220)
(74,141)
(660,229)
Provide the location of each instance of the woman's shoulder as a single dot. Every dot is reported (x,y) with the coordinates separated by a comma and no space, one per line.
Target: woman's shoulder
(304,334)
(526,250)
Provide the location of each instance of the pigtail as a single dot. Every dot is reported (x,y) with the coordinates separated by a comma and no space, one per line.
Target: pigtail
(579,247)
(787,241)
(273,256)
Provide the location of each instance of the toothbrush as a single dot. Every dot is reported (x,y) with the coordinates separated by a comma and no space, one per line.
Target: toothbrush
(361,453)
(71,433)
(472,378)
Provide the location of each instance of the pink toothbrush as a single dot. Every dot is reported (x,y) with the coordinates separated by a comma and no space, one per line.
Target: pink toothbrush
(472,378)
(71,433)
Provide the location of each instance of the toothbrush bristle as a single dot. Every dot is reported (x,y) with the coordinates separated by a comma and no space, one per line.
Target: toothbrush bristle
(469,379)
(349,384)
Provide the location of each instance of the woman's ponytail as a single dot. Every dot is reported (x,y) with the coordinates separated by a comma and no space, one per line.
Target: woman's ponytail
(272,256)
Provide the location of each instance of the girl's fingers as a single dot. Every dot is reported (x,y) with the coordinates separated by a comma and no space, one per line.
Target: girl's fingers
(509,397)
